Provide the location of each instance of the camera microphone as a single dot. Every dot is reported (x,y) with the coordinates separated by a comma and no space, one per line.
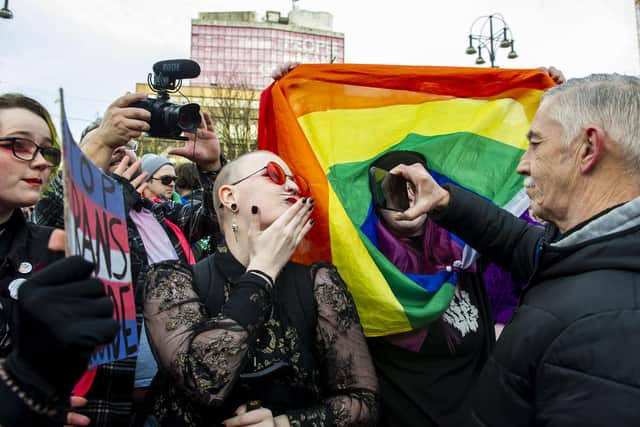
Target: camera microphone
(176,69)
(169,120)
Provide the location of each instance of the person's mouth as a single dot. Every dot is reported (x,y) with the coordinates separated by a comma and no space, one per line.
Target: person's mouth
(529,183)
(33,181)
(291,200)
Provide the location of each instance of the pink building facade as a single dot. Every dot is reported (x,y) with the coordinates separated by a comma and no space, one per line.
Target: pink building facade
(235,52)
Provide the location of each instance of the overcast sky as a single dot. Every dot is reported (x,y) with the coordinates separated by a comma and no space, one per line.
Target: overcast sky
(98,49)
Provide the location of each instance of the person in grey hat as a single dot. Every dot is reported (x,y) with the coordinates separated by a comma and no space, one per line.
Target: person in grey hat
(161,177)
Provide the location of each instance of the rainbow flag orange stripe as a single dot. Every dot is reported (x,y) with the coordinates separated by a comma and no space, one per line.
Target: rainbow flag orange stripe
(330,121)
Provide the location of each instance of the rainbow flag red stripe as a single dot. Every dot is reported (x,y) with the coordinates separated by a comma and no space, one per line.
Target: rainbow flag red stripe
(330,121)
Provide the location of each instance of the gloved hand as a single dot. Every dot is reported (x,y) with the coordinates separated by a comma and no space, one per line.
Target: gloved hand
(63,315)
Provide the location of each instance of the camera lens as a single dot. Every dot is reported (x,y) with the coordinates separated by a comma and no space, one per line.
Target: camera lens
(169,120)
(189,117)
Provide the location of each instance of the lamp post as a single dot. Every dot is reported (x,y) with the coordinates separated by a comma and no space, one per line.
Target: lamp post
(498,35)
(5,12)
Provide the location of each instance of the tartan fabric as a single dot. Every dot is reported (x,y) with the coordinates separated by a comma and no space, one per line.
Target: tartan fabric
(110,397)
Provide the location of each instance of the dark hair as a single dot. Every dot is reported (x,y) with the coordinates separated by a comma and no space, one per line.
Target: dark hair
(389,161)
(392,159)
(187,174)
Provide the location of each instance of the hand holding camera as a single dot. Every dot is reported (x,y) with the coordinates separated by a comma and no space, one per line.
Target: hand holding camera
(122,122)
(168,120)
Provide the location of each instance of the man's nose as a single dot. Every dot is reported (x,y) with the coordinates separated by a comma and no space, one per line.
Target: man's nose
(523,165)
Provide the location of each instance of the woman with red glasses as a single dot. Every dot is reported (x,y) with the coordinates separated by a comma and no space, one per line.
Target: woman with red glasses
(248,337)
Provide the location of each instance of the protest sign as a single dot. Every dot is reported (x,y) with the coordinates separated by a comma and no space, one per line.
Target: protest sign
(96,229)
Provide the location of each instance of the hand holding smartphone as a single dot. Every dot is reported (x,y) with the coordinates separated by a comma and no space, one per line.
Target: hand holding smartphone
(389,191)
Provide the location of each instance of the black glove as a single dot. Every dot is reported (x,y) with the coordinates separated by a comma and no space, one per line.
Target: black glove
(63,315)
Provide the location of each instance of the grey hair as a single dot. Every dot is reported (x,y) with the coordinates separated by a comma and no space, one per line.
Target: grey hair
(611,101)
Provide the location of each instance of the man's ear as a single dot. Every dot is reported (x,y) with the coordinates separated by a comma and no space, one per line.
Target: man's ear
(592,148)
(227,196)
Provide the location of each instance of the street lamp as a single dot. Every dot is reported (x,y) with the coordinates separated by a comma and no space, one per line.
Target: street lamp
(5,12)
(499,35)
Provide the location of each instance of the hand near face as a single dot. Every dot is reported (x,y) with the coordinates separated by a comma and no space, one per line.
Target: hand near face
(202,148)
(271,248)
(429,195)
(128,171)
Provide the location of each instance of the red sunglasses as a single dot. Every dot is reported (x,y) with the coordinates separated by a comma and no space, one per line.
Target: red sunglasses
(275,172)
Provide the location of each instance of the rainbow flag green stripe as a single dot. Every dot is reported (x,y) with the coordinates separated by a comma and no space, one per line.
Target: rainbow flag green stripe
(484,170)
(330,122)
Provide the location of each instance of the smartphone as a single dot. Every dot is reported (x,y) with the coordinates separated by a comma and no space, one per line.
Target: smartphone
(389,191)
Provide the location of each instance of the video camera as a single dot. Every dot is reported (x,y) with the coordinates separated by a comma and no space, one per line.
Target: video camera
(169,120)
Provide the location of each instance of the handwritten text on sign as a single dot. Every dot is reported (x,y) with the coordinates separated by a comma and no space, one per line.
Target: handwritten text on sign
(96,228)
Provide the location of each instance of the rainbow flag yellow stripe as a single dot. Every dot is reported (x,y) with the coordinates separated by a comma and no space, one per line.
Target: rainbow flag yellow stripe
(329,122)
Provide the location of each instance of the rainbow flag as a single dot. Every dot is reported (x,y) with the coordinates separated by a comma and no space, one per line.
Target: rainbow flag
(329,122)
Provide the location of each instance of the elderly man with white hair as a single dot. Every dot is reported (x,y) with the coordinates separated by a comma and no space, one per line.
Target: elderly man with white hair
(569,356)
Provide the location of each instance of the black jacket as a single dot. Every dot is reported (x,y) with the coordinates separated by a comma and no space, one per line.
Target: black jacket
(23,251)
(570,356)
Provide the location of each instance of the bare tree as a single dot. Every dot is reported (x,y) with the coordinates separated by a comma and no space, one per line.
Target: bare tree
(235,112)
(234,108)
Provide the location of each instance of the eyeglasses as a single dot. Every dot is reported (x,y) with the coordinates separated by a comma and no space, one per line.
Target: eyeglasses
(275,172)
(166,179)
(25,149)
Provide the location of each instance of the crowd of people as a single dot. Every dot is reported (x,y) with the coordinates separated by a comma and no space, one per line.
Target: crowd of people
(232,332)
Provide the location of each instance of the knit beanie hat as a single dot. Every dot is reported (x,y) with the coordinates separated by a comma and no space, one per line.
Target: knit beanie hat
(151,163)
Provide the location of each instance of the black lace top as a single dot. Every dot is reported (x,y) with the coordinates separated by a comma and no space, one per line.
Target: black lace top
(259,346)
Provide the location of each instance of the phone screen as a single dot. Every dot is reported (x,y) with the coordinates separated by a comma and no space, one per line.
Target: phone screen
(389,191)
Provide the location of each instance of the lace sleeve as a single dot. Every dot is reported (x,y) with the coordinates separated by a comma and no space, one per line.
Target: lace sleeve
(350,384)
(202,354)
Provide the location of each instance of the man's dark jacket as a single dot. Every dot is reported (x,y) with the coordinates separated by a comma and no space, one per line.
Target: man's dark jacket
(570,356)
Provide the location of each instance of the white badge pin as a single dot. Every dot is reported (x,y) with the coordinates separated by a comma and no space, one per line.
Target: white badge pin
(25,267)
(14,286)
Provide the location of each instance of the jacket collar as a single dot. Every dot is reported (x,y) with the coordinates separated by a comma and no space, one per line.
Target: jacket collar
(229,266)
(616,220)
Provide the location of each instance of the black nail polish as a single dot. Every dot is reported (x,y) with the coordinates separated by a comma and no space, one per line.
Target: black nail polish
(310,208)
(311,201)
(311,222)
(304,200)
(254,210)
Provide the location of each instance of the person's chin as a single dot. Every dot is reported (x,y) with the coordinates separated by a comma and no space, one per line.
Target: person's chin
(31,192)
(29,199)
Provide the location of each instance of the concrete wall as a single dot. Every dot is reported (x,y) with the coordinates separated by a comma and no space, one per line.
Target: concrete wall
(309,19)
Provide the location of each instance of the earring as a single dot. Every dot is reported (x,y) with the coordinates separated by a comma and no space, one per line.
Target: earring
(234,208)
(234,228)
